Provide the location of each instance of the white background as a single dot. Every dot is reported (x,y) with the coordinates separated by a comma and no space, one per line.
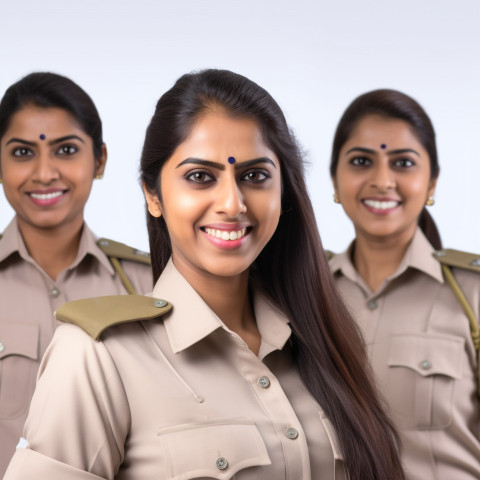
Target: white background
(313,56)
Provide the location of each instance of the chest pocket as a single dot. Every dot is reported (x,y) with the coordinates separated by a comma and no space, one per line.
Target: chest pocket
(18,366)
(215,450)
(423,370)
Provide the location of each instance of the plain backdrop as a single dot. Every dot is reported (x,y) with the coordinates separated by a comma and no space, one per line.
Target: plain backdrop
(313,56)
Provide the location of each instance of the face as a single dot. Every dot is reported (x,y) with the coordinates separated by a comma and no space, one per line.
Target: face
(219,213)
(383,178)
(47,166)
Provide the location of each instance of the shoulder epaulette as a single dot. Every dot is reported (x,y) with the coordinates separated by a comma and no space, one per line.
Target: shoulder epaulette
(329,254)
(95,315)
(122,251)
(457,259)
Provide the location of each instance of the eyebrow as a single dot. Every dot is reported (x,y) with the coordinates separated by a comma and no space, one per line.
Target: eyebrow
(53,142)
(390,152)
(221,166)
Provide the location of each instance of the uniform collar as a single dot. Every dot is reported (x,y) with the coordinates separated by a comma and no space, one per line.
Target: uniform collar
(12,242)
(191,319)
(418,256)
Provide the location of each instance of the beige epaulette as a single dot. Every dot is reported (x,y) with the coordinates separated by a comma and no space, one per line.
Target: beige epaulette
(119,250)
(95,315)
(455,258)
(116,251)
(468,261)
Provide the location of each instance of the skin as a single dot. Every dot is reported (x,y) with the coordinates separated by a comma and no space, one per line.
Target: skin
(62,167)
(398,177)
(202,192)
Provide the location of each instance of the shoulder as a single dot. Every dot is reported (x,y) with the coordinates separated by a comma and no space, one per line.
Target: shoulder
(95,315)
(458,259)
(123,252)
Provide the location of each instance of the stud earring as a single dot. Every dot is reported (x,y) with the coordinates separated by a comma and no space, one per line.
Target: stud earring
(99,176)
(430,201)
(335,198)
(1,181)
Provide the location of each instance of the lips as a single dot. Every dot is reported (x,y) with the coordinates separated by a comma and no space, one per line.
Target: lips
(46,198)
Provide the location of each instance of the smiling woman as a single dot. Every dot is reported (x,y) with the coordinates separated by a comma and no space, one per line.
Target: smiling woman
(51,149)
(244,364)
(419,317)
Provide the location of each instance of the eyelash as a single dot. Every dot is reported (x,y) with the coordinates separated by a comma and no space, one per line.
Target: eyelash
(66,150)
(399,162)
(209,178)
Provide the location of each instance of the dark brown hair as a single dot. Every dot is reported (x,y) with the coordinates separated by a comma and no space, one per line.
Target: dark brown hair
(45,89)
(292,269)
(392,104)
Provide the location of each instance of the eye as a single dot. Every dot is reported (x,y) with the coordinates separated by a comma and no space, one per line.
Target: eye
(404,163)
(22,152)
(67,150)
(360,161)
(256,176)
(199,176)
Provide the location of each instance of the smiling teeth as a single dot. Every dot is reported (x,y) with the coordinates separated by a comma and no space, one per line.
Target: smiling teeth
(224,235)
(46,196)
(381,205)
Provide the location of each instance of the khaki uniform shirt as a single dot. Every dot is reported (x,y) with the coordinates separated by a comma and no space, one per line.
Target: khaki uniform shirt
(177,397)
(419,343)
(28,298)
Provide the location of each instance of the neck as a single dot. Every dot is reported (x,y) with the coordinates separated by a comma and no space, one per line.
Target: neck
(377,258)
(53,249)
(229,298)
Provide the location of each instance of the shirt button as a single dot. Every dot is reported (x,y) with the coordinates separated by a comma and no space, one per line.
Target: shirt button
(264,382)
(372,304)
(221,463)
(55,292)
(425,365)
(291,433)
(2,347)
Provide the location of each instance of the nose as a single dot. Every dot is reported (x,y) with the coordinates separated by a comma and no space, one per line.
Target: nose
(383,178)
(46,170)
(229,198)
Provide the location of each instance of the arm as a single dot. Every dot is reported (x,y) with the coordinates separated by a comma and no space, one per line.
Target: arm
(79,416)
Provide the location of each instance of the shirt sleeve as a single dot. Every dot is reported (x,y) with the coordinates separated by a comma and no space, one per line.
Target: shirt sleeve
(79,415)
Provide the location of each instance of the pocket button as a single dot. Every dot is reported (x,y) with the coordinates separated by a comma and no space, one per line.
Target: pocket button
(221,463)
(425,365)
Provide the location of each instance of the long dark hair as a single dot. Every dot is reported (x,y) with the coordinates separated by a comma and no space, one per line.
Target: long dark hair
(45,89)
(392,104)
(292,269)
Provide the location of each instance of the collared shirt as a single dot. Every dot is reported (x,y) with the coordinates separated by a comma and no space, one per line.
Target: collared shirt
(423,357)
(28,298)
(180,397)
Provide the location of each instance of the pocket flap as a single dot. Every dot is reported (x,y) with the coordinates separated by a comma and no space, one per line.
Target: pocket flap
(218,450)
(428,354)
(19,339)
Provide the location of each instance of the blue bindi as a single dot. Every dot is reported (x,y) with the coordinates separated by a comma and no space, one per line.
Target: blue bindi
(383,146)
(43,136)
(231,160)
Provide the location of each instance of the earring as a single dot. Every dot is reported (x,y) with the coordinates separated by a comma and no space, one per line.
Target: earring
(99,176)
(430,201)
(335,198)
(1,181)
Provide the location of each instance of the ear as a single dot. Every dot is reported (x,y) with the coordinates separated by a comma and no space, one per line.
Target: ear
(100,162)
(334,182)
(431,188)
(153,203)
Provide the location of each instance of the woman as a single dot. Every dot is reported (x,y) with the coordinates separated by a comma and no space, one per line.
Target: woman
(51,149)
(384,169)
(252,374)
